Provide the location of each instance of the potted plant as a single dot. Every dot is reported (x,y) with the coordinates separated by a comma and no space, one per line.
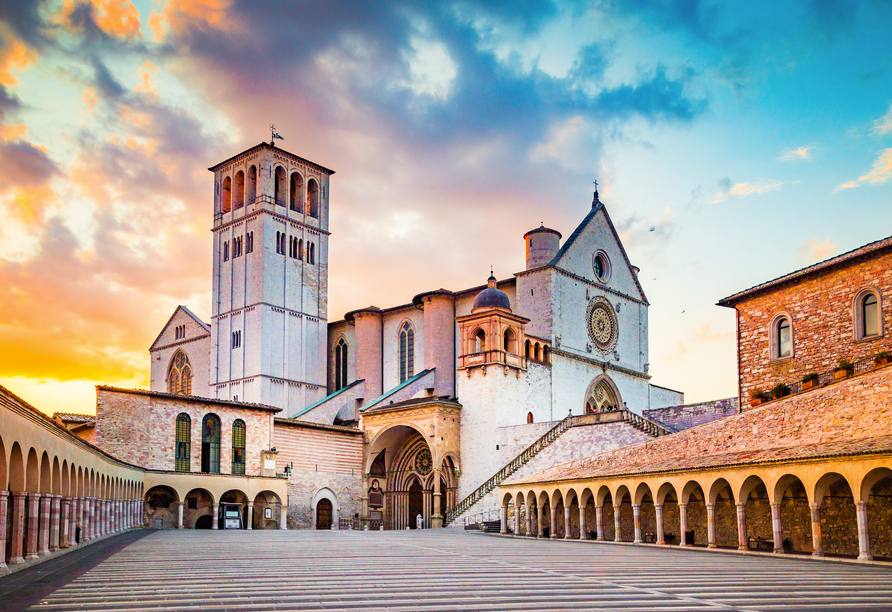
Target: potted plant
(757,396)
(809,381)
(844,369)
(883,358)
(780,390)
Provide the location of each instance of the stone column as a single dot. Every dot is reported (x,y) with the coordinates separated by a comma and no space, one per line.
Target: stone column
(777,528)
(55,521)
(617,525)
(552,514)
(741,526)
(65,521)
(78,519)
(180,515)
(215,513)
(567,534)
(503,520)
(87,519)
(529,521)
(4,495)
(43,525)
(582,522)
(16,548)
(683,524)
(437,516)
(73,521)
(250,525)
(517,508)
(33,526)
(710,525)
(658,509)
(863,536)
(599,523)
(284,521)
(636,520)
(817,549)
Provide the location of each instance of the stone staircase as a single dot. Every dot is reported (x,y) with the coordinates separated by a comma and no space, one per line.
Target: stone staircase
(635,421)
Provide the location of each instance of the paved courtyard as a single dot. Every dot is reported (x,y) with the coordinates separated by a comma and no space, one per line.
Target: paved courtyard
(441,570)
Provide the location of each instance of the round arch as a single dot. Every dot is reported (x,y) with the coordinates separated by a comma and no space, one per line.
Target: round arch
(326,494)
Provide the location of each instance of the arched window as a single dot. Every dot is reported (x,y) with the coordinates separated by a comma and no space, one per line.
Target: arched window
(407,352)
(300,249)
(529,418)
(781,337)
(340,365)
(184,442)
(226,196)
(601,399)
(509,341)
(279,186)
(251,185)
(479,341)
(868,315)
(526,349)
(313,198)
(536,352)
(179,374)
(210,444)
(238,196)
(297,184)
(238,447)
(311,253)
(545,358)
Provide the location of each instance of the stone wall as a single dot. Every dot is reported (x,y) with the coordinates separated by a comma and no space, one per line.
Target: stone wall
(821,308)
(676,418)
(139,427)
(303,486)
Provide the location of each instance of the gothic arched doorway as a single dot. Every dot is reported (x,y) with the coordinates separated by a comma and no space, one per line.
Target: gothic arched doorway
(416,503)
(323,514)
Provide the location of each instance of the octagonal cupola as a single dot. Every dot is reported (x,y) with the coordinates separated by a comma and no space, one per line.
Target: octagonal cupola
(491,297)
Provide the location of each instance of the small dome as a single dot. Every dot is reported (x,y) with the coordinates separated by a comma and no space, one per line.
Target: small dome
(492,296)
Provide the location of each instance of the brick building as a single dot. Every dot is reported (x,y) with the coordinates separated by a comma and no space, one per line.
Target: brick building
(808,469)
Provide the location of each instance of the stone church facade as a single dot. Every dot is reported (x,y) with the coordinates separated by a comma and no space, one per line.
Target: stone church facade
(447,389)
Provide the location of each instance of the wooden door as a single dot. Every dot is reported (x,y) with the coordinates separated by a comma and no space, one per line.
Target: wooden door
(323,514)
(416,503)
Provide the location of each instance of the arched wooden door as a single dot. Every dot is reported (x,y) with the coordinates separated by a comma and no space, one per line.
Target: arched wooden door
(323,514)
(416,503)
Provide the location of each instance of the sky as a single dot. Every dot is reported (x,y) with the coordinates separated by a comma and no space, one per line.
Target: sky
(732,143)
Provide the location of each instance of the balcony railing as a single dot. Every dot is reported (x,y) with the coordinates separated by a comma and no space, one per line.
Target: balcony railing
(492,357)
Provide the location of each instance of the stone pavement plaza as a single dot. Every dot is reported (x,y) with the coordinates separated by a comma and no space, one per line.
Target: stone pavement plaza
(445,570)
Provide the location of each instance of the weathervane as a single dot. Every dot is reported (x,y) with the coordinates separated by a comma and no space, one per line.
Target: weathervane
(272,129)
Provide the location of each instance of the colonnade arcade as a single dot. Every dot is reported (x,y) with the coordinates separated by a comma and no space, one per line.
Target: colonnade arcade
(838,508)
(57,491)
(198,508)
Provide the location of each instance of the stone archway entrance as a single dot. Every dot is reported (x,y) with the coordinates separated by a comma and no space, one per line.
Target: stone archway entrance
(323,514)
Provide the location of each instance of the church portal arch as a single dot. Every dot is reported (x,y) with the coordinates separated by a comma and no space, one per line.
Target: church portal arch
(602,396)
(326,509)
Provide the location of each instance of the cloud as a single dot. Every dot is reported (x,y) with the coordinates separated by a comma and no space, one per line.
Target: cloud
(883,125)
(101,19)
(745,189)
(813,250)
(800,154)
(879,173)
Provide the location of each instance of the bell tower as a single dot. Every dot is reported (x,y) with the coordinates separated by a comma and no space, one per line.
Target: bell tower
(270,279)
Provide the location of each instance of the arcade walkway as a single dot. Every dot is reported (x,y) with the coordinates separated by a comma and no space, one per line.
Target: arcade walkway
(450,570)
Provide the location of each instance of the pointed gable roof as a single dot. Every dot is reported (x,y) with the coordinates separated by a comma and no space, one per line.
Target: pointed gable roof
(189,313)
(598,206)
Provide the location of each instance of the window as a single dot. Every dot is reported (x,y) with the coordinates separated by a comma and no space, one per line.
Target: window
(251,186)
(529,418)
(226,201)
(236,247)
(226,251)
(300,249)
(601,266)
(868,315)
(479,341)
(280,242)
(311,252)
(296,187)
(179,374)
(183,446)
(236,339)
(239,191)
(279,186)
(407,352)
(210,444)
(179,332)
(312,198)
(509,341)
(238,447)
(781,336)
(340,365)
(249,242)
(526,350)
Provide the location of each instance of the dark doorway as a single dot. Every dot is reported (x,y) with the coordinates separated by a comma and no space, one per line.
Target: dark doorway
(204,522)
(323,514)
(416,504)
